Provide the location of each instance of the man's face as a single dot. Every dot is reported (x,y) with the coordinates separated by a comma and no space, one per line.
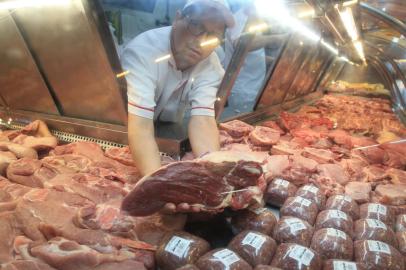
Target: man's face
(194,37)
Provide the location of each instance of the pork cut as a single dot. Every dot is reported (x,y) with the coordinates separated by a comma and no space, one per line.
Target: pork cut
(236,128)
(6,157)
(18,150)
(391,194)
(358,191)
(208,182)
(264,136)
(320,155)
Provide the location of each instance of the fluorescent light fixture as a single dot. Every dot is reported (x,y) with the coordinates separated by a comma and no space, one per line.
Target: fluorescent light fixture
(258,27)
(14,4)
(329,47)
(395,40)
(344,58)
(359,49)
(307,13)
(165,57)
(400,60)
(349,23)
(350,3)
(122,74)
(276,10)
(213,41)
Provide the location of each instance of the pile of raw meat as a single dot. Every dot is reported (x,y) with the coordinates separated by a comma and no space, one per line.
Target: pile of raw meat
(60,207)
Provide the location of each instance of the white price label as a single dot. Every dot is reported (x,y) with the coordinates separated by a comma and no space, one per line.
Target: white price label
(259,211)
(302,255)
(311,189)
(254,240)
(178,246)
(336,233)
(337,214)
(295,224)
(343,197)
(343,265)
(377,208)
(378,246)
(374,223)
(302,201)
(282,183)
(226,257)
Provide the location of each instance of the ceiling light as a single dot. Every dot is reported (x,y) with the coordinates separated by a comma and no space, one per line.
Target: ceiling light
(359,49)
(349,23)
(307,13)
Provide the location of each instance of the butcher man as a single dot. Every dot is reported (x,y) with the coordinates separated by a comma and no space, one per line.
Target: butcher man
(171,70)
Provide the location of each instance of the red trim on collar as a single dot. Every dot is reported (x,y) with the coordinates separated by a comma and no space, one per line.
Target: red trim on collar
(208,108)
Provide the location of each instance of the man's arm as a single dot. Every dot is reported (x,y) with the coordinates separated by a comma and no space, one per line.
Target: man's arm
(203,134)
(142,143)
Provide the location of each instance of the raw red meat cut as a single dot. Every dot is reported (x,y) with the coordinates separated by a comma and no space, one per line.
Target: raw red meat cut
(226,138)
(207,182)
(396,176)
(236,128)
(273,125)
(18,150)
(122,155)
(391,194)
(6,158)
(263,136)
(37,143)
(358,191)
(320,155)
(401,239)
(286,148)
(276,166)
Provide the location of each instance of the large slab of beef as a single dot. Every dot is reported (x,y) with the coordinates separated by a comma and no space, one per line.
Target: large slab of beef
(207,182)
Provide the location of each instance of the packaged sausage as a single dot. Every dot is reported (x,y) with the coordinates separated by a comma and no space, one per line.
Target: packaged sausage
(342,265)
(179,249)
(336,219)
(401,237)
(400,223)
(313,193)
(222,259)
(266,267)
(254,247)
(278,191)
(374,229)
(377,255)
(188,267)
(301,208)
(344,203)
(378,211)
(296,257)
(261,220)
(332,244)
(293,230)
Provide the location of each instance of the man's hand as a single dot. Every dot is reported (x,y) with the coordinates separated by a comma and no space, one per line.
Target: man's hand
(171,208)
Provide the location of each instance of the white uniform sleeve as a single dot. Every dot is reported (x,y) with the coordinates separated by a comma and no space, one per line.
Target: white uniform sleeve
(141,81)
(205,86)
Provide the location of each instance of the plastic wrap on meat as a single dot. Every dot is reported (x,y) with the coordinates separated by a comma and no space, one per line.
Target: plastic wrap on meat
(208,182)
(296,257)
(222,259)
(378,255)
(335,219)
(342,265)
(332,244)
(293,230)
(401,239)
(260,220)
(188,267)
(254,247)
(400,223)
(344,203)
(179,249)
(312,193)
(278,191)
(373,229)
(378,211)
(301,208)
